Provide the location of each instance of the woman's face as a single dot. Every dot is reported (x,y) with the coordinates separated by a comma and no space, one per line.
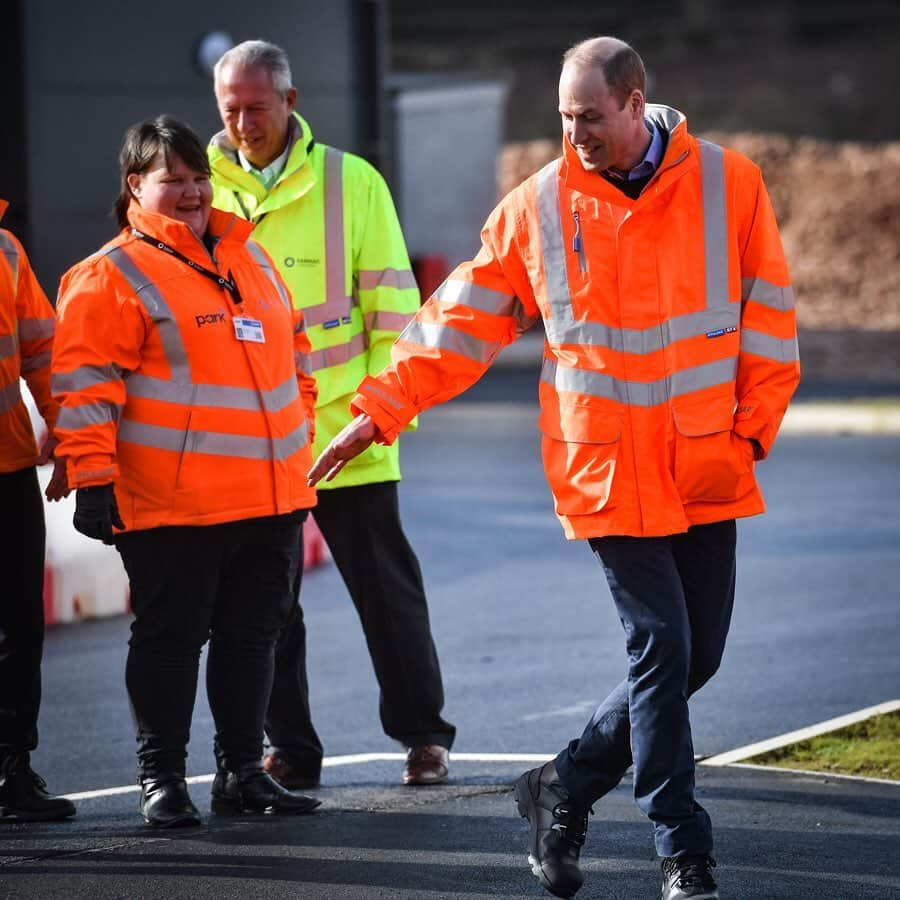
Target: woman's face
(178,192)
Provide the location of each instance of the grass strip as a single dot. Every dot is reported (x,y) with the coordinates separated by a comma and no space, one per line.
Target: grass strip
(870,748)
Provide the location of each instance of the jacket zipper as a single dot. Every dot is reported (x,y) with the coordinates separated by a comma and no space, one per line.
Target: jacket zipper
(578,242)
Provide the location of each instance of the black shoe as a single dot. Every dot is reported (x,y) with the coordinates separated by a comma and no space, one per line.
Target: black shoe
(689,877)
(256,792)
(558,830)
(23,795)
(165,802)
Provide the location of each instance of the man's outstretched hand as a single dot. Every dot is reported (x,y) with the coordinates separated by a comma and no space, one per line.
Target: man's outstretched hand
(355,438)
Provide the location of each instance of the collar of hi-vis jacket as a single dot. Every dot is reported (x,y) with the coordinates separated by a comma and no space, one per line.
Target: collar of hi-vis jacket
(226,229)
(679,159)
(3,207)
(295,180)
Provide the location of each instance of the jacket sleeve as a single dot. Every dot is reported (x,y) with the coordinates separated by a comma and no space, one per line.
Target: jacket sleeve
(383,278)
(99,335)
(768,365)
(484,305)
(303,366)
(36,323)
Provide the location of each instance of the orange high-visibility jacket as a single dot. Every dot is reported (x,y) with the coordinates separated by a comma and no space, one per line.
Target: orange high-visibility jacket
(194,426)
(26,339)
(670,352)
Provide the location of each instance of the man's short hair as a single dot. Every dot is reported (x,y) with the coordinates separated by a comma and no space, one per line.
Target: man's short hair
(262,54)
(620,63)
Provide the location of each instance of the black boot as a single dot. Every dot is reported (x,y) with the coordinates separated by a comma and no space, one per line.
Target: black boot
(165,802)
(558,829)
(252,790)
(689,878)
(23,795)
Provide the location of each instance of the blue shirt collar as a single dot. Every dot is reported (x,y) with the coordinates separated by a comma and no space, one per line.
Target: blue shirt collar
(652,158)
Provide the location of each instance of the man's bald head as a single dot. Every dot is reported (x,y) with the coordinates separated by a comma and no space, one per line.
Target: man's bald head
(622,68)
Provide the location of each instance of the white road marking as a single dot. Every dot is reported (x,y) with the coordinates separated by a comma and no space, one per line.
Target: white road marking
(352,759)
(803,734)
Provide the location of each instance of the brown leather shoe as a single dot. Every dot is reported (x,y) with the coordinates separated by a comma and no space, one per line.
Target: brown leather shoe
(288,775)
(426,765)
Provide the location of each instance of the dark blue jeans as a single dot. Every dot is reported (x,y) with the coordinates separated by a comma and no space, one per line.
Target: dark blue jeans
(674,596)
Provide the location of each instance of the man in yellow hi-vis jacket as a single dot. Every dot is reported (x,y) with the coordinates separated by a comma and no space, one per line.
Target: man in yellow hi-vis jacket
(327,219)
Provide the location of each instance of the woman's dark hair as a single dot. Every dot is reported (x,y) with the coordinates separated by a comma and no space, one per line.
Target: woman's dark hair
(143,141)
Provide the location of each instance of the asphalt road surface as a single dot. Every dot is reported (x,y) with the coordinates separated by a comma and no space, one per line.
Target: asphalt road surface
(526,630)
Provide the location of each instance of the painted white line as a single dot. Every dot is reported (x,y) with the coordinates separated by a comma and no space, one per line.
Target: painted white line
(352,759)
(803,734)
(841,418)
(827,775)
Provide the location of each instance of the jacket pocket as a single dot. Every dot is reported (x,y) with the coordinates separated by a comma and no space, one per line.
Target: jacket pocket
(580,449)
(710,459)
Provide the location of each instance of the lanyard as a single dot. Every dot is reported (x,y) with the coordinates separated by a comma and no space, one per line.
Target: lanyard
(224,283)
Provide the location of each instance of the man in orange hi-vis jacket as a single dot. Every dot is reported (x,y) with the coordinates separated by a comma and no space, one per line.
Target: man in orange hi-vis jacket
(26,336)
(654,261)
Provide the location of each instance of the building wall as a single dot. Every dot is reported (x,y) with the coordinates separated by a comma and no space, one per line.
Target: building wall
(92,68)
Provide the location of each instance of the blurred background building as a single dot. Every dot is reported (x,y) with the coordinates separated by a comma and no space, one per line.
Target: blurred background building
(456,102)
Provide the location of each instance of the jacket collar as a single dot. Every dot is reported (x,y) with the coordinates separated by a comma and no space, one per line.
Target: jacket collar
(226,229)
(677,161)
(3,205)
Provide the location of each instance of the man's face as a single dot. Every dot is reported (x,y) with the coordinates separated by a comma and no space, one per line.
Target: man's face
(603,134)
(254,113)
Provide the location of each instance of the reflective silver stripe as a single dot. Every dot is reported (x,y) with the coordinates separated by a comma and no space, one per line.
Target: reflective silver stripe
(259,255)
(11,251)
(30,363)
(335,259)
(778,349)
(84,377)
(9,396)
(339,354)
(465,293)
(428,334)
(561,323)
(218,396)
(760,291)
(214,443)
(35,329)
(9,345)
(331,311)
(303,363)
(387,321)
(370,279)
(72,418)
(636,393)
(715,224)
(158,310)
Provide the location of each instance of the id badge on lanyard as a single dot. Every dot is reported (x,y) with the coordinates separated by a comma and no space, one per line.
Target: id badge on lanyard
(246,329)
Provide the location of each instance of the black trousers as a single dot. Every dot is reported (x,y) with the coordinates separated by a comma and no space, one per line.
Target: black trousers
(230,584)
(22,543)
(362,528)
(674,596)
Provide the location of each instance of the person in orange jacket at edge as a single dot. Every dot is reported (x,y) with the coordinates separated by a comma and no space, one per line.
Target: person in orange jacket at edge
(26,335)
(186,419)
(654,260)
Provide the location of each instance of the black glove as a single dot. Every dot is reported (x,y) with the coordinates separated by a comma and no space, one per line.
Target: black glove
(96,512)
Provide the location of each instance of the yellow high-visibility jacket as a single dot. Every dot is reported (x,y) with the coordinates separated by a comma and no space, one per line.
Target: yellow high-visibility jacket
(330,226)
(671,349)
(27,323)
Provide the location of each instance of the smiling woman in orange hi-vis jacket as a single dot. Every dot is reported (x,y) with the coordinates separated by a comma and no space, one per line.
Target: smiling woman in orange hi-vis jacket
(182,372)
(654,262)
(26,336)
